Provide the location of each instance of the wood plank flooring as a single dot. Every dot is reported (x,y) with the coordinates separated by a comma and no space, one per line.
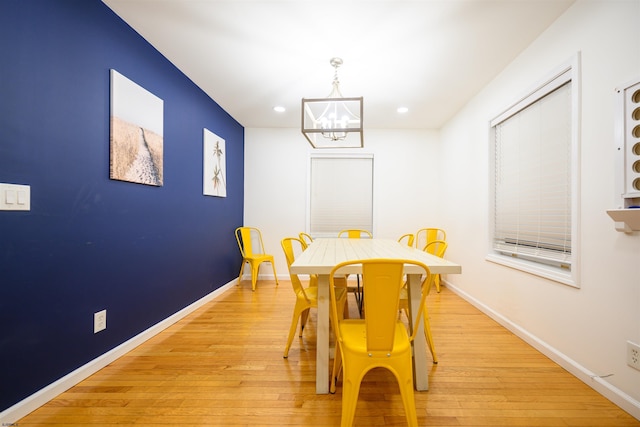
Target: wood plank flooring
(222,366)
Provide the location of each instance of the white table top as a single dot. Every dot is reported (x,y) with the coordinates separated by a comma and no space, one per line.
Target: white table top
(325,253)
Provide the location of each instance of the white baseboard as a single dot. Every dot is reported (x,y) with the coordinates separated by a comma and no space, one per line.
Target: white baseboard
(21,409)
(614,394)
(268,276)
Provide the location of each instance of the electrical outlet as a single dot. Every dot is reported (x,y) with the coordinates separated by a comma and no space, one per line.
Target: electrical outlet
(99,321)
(633,355)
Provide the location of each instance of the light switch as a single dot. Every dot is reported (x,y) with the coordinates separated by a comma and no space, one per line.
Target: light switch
(10,197)
(22,197)
(15,197)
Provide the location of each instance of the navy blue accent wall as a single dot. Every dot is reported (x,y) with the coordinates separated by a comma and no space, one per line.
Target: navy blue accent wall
(90,243)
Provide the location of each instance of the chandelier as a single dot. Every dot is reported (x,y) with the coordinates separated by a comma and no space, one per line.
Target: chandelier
(334,121)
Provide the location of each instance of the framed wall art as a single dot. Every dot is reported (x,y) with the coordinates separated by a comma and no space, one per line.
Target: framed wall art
(215,168)
(136,125)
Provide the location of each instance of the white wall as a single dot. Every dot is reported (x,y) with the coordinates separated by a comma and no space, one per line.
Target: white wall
(587,327)
(423,178)
(406,183)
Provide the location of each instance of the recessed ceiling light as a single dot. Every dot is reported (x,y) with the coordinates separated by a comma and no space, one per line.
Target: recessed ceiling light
(279,109)
(402,110)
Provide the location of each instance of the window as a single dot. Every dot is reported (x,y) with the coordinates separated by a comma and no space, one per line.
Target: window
(341,194)
(534,180)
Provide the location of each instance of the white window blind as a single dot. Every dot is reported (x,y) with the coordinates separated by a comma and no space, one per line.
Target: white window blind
(533,177)
(341,194)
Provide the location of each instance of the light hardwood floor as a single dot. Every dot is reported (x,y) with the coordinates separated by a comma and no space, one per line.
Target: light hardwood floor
(222,366)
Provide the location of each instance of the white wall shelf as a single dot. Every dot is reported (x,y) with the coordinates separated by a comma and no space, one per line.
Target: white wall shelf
(627,220)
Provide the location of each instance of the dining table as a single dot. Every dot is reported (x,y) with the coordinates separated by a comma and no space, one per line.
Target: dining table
(325,253)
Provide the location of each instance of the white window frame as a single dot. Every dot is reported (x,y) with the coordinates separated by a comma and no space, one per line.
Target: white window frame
(341,199)
(568,72)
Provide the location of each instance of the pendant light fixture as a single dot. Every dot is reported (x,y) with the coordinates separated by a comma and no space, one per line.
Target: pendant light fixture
(334,121)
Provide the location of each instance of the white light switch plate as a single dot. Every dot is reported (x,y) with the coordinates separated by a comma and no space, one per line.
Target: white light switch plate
(15,197)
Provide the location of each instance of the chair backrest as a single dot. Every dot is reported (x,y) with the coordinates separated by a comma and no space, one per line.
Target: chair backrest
(382,281)
(292,246)
(407,239)
(306,239)
(436,247)
(355,233)
(249,241)
(426,235)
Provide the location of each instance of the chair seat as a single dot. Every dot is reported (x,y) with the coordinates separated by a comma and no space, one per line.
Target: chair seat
(259,258)
(311,293)
(353,332)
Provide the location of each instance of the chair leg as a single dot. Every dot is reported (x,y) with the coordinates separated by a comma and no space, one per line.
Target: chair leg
(275,275)
(350,392)
(428,336)
(427,332)
(254,276)
(408,400)
(436,280)
(343,309)
(359,296)
(337,366)
(241,271)
(304,316)
(292,330)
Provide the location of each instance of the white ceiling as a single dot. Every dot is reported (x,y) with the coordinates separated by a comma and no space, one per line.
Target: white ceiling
(431,56)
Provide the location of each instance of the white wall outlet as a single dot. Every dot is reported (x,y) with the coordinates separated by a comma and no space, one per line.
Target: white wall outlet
(633,355)
(99,321)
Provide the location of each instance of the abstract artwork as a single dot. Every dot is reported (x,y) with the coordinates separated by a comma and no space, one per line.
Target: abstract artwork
(136,141)
(215,168)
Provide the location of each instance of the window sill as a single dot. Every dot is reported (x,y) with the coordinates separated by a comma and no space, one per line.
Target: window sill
(548,272)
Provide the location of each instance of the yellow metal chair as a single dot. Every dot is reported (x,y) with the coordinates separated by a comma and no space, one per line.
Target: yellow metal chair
(426,235)
(306,298)
(355,234)
(252,249)
(380,340)
(437,248)
(407,239)
(306,239)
